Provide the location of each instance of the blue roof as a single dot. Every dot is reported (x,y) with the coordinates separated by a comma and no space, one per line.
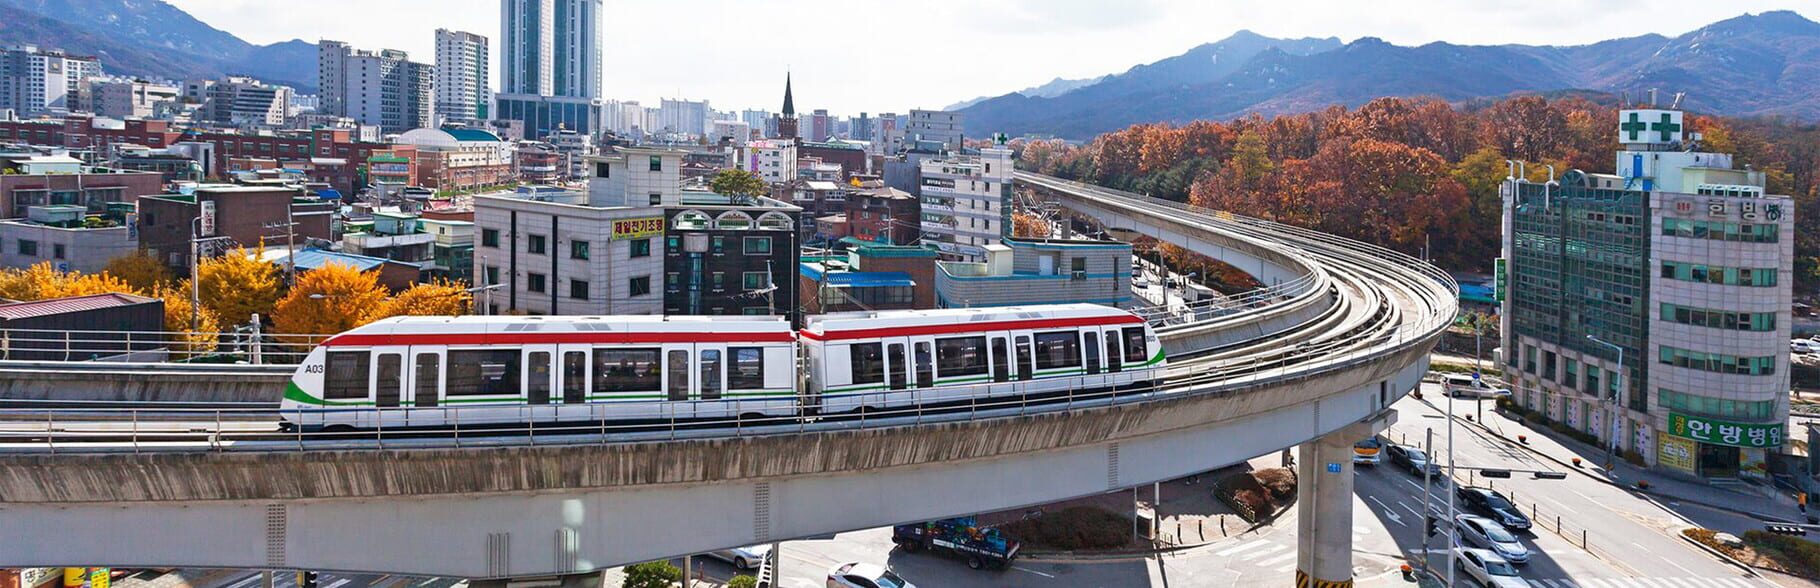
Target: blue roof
(870,279)
(328,194)
(471,135)
(309,259)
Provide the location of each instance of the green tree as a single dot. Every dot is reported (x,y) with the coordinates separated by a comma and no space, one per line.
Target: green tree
(742,581)
(738,183)
(652,574)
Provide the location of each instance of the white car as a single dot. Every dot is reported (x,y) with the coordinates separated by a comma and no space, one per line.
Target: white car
(1486,567)
(1489,534)
(1803,346)
(744,558)
(1462,386)
(864,575)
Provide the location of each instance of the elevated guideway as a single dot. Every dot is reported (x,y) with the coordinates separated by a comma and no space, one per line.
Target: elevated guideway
(1348,335)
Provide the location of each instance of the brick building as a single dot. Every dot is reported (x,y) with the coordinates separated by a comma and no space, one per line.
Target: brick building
(92,191)
(243,215)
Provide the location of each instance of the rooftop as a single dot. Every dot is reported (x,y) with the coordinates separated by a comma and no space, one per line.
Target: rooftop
(38,308)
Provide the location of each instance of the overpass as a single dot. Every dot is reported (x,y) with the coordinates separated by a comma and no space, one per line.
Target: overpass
(1313,359)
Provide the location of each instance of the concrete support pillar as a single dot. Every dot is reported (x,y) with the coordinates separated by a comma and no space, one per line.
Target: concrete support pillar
(1324,509)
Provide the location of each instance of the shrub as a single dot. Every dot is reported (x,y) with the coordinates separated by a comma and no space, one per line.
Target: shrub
(1279,481)
(652,574)
(1075,527)
(1257,500)
(742,582)
(1798,555)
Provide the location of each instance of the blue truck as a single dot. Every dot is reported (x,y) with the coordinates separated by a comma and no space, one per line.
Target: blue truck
(960,537)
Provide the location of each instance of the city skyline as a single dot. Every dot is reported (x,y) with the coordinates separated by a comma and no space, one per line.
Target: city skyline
(1047,38)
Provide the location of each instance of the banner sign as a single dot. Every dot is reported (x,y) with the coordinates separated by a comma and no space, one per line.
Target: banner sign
(1716,432)
(637,228)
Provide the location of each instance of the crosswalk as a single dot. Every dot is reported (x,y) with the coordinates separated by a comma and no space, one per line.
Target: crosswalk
(1643,583)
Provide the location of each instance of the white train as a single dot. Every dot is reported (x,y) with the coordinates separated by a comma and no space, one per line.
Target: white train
(415,371)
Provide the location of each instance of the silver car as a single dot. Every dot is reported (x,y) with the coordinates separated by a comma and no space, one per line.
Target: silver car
(864,575)
(1483,532)
(1488,569)
(744,558)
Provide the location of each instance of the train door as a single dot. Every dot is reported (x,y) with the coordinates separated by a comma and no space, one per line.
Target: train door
(389,385)
(1114,360)
(1001,360)
(679,380)
(1026,358)
(1091,344)
(897,363)
(540,381)
(923,358)
(426,387)
(711,382)
(572,372)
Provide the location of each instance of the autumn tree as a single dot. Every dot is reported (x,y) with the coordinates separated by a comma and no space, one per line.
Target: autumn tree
(238,284)
(191,340)
(1024,224)
(140,270)
(438,298)
(328,300)
(738,183)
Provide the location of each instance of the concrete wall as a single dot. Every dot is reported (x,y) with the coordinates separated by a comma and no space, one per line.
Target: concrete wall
(24,381)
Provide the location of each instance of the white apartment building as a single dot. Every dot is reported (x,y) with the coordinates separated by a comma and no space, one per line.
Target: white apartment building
(463,88)
(774,160)
(935,125)
(129,98)
(246,102)
(739,131)
(636,177)
(34,81)
(382,88)
(966,201)
(687,117)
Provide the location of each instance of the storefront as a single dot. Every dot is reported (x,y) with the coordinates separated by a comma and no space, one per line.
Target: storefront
(1711,448)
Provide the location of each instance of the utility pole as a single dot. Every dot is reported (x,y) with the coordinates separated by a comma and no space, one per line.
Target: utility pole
(195,275)
(1428,514)
(1453,534)
(1617,377)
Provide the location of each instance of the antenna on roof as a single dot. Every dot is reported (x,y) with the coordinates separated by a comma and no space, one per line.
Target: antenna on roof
(1676,105)
(1623,99)
(1652,97)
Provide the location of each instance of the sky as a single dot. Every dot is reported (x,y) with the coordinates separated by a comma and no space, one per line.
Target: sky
(852,56)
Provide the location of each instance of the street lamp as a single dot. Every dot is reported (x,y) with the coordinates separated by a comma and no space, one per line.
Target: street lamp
(487,309)
(1611,443)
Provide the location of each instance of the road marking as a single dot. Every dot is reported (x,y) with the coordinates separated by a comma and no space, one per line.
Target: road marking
(1412,510)
(1389,512)
(338,583)
(1275,559)
(1254,555)
(1024,569)
(1640,546)
(248,581)
(1242,547)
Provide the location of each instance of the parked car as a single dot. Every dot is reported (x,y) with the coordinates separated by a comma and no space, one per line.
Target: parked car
(1367,452)
(1494,505)
(1412,459)
(1483,532)
(1488,569)
(1463,386)
(1803,346)
(864,575)
(744,558)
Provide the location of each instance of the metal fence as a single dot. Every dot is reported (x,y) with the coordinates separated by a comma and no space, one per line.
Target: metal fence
(240,346)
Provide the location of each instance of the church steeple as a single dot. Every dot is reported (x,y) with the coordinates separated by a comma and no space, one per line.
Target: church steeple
(789,102)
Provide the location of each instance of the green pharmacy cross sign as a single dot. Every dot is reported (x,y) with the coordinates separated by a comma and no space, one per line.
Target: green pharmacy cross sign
(1667,127)
(1724,433)
(1635,127)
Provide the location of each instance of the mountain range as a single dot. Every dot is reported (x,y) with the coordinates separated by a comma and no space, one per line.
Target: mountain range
(151,38)
(1752,65)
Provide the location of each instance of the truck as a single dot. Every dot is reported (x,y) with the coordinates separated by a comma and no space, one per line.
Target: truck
(960,537)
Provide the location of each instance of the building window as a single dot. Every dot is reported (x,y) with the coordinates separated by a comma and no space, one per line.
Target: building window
(578,289)
(28,248)
(489,237)
(657,199)
(657,163)
(578,249)
(1717,362)
(534,282)
(641,248)
(492,275)
(1719,319)
(603,170)
(753,280)
(536,246)
(640,286)
(57,251)
(758,245)
(720,278)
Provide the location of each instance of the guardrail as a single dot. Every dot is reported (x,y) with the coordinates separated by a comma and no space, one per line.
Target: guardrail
(154,346)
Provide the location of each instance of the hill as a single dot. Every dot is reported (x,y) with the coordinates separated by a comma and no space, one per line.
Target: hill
(151,38)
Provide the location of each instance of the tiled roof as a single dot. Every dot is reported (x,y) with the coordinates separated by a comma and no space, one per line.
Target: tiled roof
(37,308)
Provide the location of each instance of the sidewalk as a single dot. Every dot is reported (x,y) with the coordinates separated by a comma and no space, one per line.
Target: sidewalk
(1766,502)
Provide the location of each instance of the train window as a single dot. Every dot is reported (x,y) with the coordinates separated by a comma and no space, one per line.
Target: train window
(1134,345)
(574,377)
(346,375)
(483,372)
(679,375)
(1001,362)
(925,365)
(539,379)
(390,381)
(1092,347)
(631,370)
(867,362)
(960,356)
(1112,351)
(710,374)
(1058,349)
(748,371)
(1025,364)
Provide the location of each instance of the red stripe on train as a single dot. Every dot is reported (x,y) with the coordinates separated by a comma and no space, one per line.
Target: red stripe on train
(376,340)
(1022,325)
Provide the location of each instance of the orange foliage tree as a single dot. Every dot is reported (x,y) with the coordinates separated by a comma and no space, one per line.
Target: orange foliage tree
(438,298)
(328,300)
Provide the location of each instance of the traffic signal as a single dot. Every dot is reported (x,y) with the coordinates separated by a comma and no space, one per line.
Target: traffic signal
(1551,475)
(1785,529)
(1434,526)
(1495,473)
(306,579)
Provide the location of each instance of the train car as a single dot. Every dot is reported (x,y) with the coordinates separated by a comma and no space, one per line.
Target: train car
(879,360)
(412,371)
